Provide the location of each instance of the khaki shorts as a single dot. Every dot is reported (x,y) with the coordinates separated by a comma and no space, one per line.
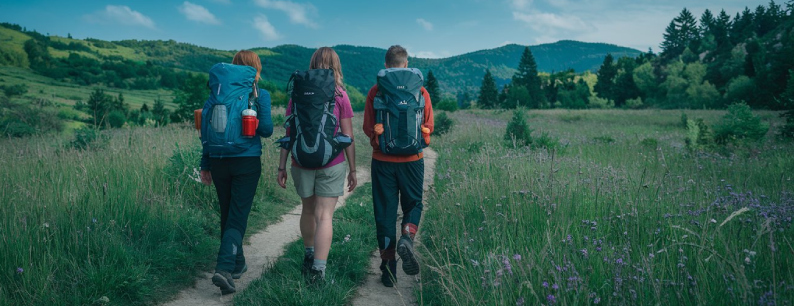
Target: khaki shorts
(328,182)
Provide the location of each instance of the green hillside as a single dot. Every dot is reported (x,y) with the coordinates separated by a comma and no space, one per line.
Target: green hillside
(457,73)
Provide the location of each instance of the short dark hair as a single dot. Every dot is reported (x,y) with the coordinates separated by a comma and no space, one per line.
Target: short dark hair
(396,56)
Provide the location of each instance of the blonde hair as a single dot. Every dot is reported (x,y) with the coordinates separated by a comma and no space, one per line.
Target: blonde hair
(249,58)
(326,58)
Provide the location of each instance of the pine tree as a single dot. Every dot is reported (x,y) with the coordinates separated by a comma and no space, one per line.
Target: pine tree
(488,92)
(605,82)
(527,76)
(681,33)
(431,85)
(99,104)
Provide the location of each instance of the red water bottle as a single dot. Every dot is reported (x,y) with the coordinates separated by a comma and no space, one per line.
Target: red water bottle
(249,123)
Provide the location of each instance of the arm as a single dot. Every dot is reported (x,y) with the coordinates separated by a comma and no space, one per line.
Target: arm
(281,179)
(265,128)
(428,121)
(350,152)
(369,117)
(204,164)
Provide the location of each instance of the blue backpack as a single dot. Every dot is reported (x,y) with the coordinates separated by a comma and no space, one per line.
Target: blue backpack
(231,91)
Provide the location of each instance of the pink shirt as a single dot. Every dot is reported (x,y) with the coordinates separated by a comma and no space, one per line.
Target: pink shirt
(342,110)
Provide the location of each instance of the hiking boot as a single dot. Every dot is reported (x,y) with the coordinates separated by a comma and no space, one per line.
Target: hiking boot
(389,270)
(223,280)
(315,277)
(405,248)
(308,261)
(237,273)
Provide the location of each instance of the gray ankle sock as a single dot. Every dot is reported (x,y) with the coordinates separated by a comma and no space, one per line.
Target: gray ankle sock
(308,251)
(319,264)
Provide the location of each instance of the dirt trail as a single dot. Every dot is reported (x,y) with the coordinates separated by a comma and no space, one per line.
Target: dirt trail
(372,292)
(263,249)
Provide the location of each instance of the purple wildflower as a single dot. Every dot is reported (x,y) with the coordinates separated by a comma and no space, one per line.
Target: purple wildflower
(20,270)
(520,301)
(569,238)
(517,257)
(597,300)
(551,299)
(555,287)
(584,252)
(619,261)
(545,284)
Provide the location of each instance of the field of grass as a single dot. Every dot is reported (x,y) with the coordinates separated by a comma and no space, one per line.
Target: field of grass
(41,87)
(619,213)
(123,223)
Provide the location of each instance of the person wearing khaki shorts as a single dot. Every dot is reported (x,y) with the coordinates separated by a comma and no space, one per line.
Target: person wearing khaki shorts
(320,188)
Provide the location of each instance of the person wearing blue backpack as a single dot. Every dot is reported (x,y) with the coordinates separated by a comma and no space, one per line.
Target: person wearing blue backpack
(319,128)
(398,119)
(234,119)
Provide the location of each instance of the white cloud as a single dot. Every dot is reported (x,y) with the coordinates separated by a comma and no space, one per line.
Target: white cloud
(431,54)
(545,22)
(198,13)
(425,24)
(222,1)
(520,4)
(298,13)
(265,28)
(121,14)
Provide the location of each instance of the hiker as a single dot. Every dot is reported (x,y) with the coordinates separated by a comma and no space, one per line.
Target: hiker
(230,158)
(398,119)
(318,172)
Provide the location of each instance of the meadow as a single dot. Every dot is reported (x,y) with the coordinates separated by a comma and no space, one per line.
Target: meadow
(618,212)
(122,222)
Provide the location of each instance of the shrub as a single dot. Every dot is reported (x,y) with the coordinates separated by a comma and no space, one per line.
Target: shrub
(447,104)
(787,131)
(634,103)
(88,138)
(739,124)
(596,102)
(546,141)
(684,120)
(442,123)
(518,133)
(116,119)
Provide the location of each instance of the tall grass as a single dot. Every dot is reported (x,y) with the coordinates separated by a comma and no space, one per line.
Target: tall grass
(636,219)
(124,224)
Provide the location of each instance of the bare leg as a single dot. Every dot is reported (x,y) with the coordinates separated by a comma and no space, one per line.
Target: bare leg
(323,214)
(308,223)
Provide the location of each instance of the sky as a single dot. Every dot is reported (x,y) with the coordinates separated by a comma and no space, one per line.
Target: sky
(427,28)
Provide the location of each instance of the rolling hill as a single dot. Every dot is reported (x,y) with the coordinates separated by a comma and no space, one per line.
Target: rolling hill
(455,74)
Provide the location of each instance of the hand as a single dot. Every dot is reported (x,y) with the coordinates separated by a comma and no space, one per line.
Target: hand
(352,181)
(282,178)
(206,177)
(378,129)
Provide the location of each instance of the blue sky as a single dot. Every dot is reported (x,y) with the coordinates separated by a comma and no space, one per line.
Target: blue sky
(428,28)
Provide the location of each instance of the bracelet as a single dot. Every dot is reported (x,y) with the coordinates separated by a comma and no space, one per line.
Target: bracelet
(354,170)
(282,169)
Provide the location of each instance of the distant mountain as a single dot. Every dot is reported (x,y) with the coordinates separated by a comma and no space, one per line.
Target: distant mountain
(360,64)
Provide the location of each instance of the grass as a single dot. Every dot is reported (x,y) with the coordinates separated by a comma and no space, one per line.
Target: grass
(41,87)
(348,262)
(126,223)
(634,220)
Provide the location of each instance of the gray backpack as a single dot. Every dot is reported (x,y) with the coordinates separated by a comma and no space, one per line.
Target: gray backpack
(400,107)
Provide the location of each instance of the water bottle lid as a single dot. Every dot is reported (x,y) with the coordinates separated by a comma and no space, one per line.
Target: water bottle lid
(249,112)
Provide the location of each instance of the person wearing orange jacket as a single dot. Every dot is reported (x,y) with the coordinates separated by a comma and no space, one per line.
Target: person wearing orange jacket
(396,179)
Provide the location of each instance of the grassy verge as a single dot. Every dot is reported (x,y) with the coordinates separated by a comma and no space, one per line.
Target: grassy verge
(123,223)
(619,213)
(353,240)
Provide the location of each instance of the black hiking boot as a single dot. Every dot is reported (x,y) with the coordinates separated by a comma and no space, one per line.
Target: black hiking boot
(308,261)
(389,270)
(237,273)
(315,277)
(223,280)
(405,248)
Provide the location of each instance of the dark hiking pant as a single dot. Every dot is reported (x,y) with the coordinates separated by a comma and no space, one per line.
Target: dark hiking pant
(393,184)
(235,180)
